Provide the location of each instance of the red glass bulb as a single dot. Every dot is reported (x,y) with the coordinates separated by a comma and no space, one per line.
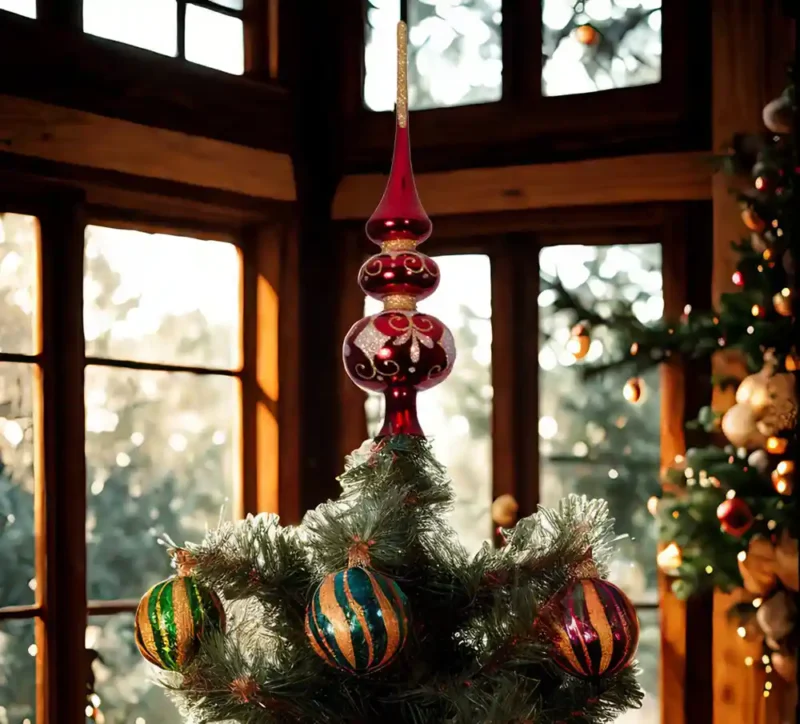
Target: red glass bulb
(738,278)
(400,214)
(399,273)
(399,353)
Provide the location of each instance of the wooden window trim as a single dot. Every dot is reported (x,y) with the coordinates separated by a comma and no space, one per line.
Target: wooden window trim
(269,309)
(671,115)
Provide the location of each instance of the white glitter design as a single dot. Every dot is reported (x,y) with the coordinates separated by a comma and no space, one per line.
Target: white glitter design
(370,341)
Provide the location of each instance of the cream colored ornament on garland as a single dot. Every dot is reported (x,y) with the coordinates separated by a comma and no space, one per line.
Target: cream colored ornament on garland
(781,410)
(739,425)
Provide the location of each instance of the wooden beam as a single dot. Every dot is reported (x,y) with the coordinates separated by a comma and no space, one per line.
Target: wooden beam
(626,180)
(60,465)
(41,130)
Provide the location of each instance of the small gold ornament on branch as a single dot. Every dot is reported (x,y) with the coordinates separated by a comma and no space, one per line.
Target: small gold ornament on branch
(504,510)
(634,389)
(783,302)
(579,342)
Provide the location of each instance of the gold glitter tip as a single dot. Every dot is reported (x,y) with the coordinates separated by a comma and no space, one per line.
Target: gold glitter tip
(399,245)
(399,301)
(402,74)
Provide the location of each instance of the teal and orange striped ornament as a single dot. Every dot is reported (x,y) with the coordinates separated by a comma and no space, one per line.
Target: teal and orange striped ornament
(357,620)
(593,629)
(171,619)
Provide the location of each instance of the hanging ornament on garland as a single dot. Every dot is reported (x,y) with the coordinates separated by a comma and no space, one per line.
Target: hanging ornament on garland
(739,426)
(783,302)
(735,517)
(587,35)
(758,244)
(776,616)
(752,220)
(579,342)
(670,559)
(753,390)
(591,626)
(757,567)
(783,477)
(504,510)
(357,620)
(778,114)
(781,412)
(633,391)
(172,618)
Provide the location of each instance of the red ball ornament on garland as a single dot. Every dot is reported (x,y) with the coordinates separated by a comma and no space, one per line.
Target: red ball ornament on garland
(593,629)
(735,517)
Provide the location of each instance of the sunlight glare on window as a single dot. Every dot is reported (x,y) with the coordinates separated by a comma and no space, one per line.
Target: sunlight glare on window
(20,7)
(148,24)
(455,53)
(161,298)
(214,40)
(19,236)
(178,479)
(456,415)
(598,45)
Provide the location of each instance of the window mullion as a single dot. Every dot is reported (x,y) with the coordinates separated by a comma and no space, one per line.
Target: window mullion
(181,9)
(60,466)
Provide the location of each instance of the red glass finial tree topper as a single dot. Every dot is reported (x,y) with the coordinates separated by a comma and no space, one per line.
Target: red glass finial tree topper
(400,350)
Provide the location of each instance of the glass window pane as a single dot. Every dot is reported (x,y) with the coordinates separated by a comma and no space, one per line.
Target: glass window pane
(161,298)
(149,24)
(17,549)
(232,4)
(18,241)
(214,39)
(159,457)
(648,656)
(18,672)
(456,415)
(20,7)
(455,53)
(592,440)
(124,682)
(593,46)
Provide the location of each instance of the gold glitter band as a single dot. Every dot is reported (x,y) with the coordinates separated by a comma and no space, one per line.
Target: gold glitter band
(399,301)
(399,245)
(402,74)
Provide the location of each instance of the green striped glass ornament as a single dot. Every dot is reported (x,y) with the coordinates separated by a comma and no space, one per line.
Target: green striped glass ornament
(171,619)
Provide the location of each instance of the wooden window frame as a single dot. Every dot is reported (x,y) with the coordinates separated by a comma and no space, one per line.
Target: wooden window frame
(54,61)
(512,240)
(667,116)
(267,397)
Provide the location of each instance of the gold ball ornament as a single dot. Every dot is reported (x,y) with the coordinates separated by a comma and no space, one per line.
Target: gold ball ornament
(754,391)
(739,426)
(587,35)
(781,412)
(670,559)
(776,445)
(783,302)
(504,510)
(778,115)
(634,389)
(752,220)
(579,342)
(783,477)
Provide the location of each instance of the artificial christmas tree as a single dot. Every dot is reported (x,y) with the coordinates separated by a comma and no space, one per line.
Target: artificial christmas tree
(371,610)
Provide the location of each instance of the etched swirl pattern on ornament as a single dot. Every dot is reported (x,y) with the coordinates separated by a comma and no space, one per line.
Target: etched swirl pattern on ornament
(399,273)
(399,348)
